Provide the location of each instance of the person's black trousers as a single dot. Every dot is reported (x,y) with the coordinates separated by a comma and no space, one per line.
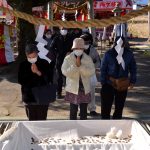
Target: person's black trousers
(36,112)
(108,96)
(74,110)
(52,73)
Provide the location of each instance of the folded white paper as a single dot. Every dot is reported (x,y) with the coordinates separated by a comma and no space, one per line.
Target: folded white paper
(121,61)
(40,32)
(39,37)
(42,49)
(41,40)
(120,52)
(44,57)
(120,41)
(118,48)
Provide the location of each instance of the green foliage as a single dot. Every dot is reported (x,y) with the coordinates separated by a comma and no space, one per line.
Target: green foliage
(147,52)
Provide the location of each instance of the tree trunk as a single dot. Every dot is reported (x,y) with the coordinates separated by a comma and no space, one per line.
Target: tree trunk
(26,33)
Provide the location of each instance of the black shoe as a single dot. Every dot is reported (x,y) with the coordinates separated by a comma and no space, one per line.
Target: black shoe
(94,113)
(87,114)
(60,97)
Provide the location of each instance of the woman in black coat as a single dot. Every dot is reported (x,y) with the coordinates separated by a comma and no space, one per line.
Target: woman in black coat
(32,73)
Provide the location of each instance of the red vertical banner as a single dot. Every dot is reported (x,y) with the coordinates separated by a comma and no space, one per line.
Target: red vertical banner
(2,47)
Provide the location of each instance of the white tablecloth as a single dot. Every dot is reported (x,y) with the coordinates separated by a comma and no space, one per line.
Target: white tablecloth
(19,138)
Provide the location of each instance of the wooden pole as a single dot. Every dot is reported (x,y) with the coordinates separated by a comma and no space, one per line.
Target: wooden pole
(91,16)
(149,23)
(50,11)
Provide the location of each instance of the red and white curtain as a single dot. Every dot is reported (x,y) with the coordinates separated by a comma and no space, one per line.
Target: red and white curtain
(5,4)
(6,51)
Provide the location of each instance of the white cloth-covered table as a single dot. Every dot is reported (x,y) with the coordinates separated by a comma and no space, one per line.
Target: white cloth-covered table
(25,135)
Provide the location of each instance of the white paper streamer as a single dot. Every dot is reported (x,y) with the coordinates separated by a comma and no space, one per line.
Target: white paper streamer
(44,57)
(120,51)
(40,32)
(42,50)
(41,40)
(121,29)
(104,34)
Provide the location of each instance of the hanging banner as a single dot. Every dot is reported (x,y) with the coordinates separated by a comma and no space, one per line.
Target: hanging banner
(105,5)
(9,54)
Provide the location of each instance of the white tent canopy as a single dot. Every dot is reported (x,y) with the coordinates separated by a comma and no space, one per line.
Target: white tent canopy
(21,137)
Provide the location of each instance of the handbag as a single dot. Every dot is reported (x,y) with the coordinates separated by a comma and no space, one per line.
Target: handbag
(44,94)
(120,84)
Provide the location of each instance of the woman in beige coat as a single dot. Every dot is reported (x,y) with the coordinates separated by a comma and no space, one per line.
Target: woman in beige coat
(78,69)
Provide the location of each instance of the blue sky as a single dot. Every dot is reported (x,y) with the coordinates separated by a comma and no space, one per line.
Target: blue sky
(142,1)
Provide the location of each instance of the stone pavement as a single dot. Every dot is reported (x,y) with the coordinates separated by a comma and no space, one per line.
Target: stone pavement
(137,105)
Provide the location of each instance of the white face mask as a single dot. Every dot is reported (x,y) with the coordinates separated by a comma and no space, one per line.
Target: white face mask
(63,32)
(32,60)
(78,52)
(48,36)
(86,46)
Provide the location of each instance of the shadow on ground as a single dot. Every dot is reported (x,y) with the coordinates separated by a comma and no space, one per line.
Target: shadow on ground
(9,72)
